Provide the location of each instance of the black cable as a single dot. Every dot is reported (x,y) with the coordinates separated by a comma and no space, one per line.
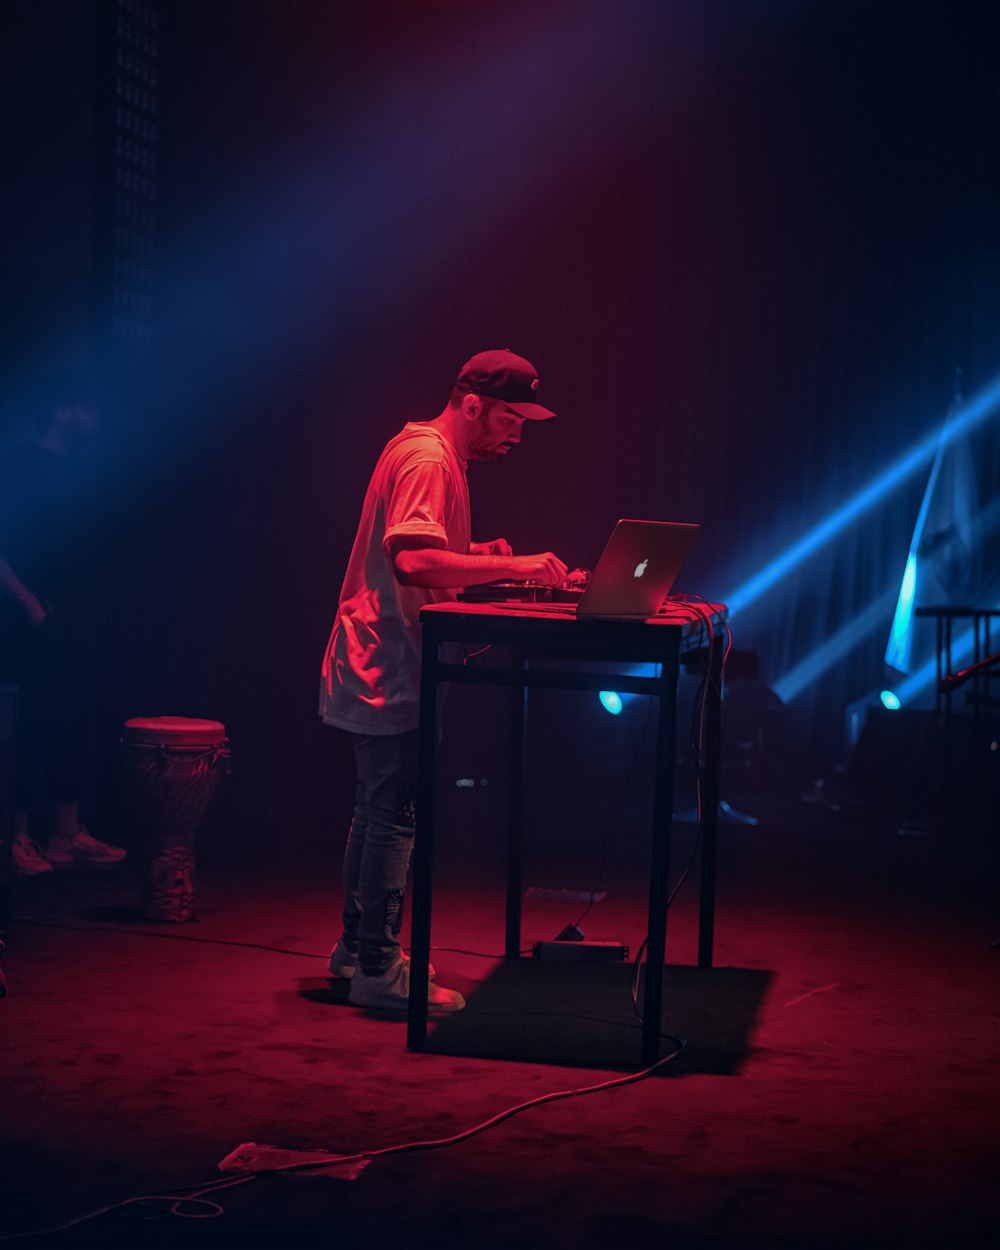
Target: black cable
(196,1197)
(257,946)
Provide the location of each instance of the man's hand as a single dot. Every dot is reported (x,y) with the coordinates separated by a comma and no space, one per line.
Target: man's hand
(497,547)
(545,567)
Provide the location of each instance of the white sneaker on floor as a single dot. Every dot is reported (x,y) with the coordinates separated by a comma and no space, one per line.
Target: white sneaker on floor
(391,991)
(28,858)
(83,849)
(343,962)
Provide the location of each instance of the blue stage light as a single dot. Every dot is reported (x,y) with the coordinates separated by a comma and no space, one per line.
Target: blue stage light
(873,492)
(614,702)
(897,653)
(890,700)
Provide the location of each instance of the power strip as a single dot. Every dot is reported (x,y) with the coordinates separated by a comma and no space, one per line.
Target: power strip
(581,952)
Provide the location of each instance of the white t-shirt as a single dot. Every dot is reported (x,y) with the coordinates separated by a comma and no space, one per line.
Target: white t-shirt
(370,682)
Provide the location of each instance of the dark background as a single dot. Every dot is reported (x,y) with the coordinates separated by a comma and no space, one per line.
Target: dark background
(746,244)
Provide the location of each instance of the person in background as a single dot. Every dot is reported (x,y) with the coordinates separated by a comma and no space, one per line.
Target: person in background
(49,604)
(413,548)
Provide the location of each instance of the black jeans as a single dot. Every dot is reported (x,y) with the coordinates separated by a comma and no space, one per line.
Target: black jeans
(379,846)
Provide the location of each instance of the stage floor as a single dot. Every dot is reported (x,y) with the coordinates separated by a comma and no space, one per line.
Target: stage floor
(839,1087)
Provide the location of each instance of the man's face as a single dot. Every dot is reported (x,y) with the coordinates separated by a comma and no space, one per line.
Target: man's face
(495,431)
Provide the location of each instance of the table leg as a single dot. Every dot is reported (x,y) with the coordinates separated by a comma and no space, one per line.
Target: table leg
(423,851)
(515,815)
(659,871)
(710,802)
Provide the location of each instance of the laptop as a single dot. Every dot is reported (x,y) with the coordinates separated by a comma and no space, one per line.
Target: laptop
(635,573)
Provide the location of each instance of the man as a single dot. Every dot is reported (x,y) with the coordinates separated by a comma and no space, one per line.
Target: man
(413,548)
(49,605)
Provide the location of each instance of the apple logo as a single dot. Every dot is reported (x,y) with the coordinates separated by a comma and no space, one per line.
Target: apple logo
(640,568)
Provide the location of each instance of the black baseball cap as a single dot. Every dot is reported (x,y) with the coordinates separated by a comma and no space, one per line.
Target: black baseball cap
(505,376)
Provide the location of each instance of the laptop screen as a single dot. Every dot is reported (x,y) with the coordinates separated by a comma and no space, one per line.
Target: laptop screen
(637,568)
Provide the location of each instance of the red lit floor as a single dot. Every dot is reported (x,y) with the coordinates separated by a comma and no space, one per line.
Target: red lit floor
(840,1087)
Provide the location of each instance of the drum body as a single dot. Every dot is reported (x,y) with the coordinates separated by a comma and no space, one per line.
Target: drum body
(175,764)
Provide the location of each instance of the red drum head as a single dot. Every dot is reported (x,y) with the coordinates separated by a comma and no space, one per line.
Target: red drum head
(184,732)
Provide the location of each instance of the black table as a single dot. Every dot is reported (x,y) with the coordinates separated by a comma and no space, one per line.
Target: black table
(531,640)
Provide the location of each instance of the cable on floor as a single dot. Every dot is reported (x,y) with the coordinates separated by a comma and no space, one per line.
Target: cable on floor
(197,1193)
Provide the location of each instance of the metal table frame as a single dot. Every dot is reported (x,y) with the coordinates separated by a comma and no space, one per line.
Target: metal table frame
(976,674)
(533,639)
(945,615)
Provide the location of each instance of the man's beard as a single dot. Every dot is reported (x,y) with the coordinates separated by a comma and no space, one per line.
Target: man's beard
(480,446)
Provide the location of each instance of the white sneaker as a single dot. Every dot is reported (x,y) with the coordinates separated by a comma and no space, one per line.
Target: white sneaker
(391,991)
(28,858)
(81,848)
(343,962)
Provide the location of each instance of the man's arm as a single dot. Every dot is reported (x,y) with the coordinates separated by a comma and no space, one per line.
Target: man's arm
(438,569)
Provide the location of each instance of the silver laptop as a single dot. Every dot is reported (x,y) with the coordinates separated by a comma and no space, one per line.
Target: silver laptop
(635,573)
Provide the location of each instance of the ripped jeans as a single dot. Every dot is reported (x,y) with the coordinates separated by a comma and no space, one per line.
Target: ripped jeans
(379,845)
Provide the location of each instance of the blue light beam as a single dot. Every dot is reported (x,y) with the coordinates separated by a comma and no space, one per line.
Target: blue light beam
(809,670)
(899,649)
(872,493)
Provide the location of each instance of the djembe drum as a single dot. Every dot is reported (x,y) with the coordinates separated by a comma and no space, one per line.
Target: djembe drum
(175,765)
